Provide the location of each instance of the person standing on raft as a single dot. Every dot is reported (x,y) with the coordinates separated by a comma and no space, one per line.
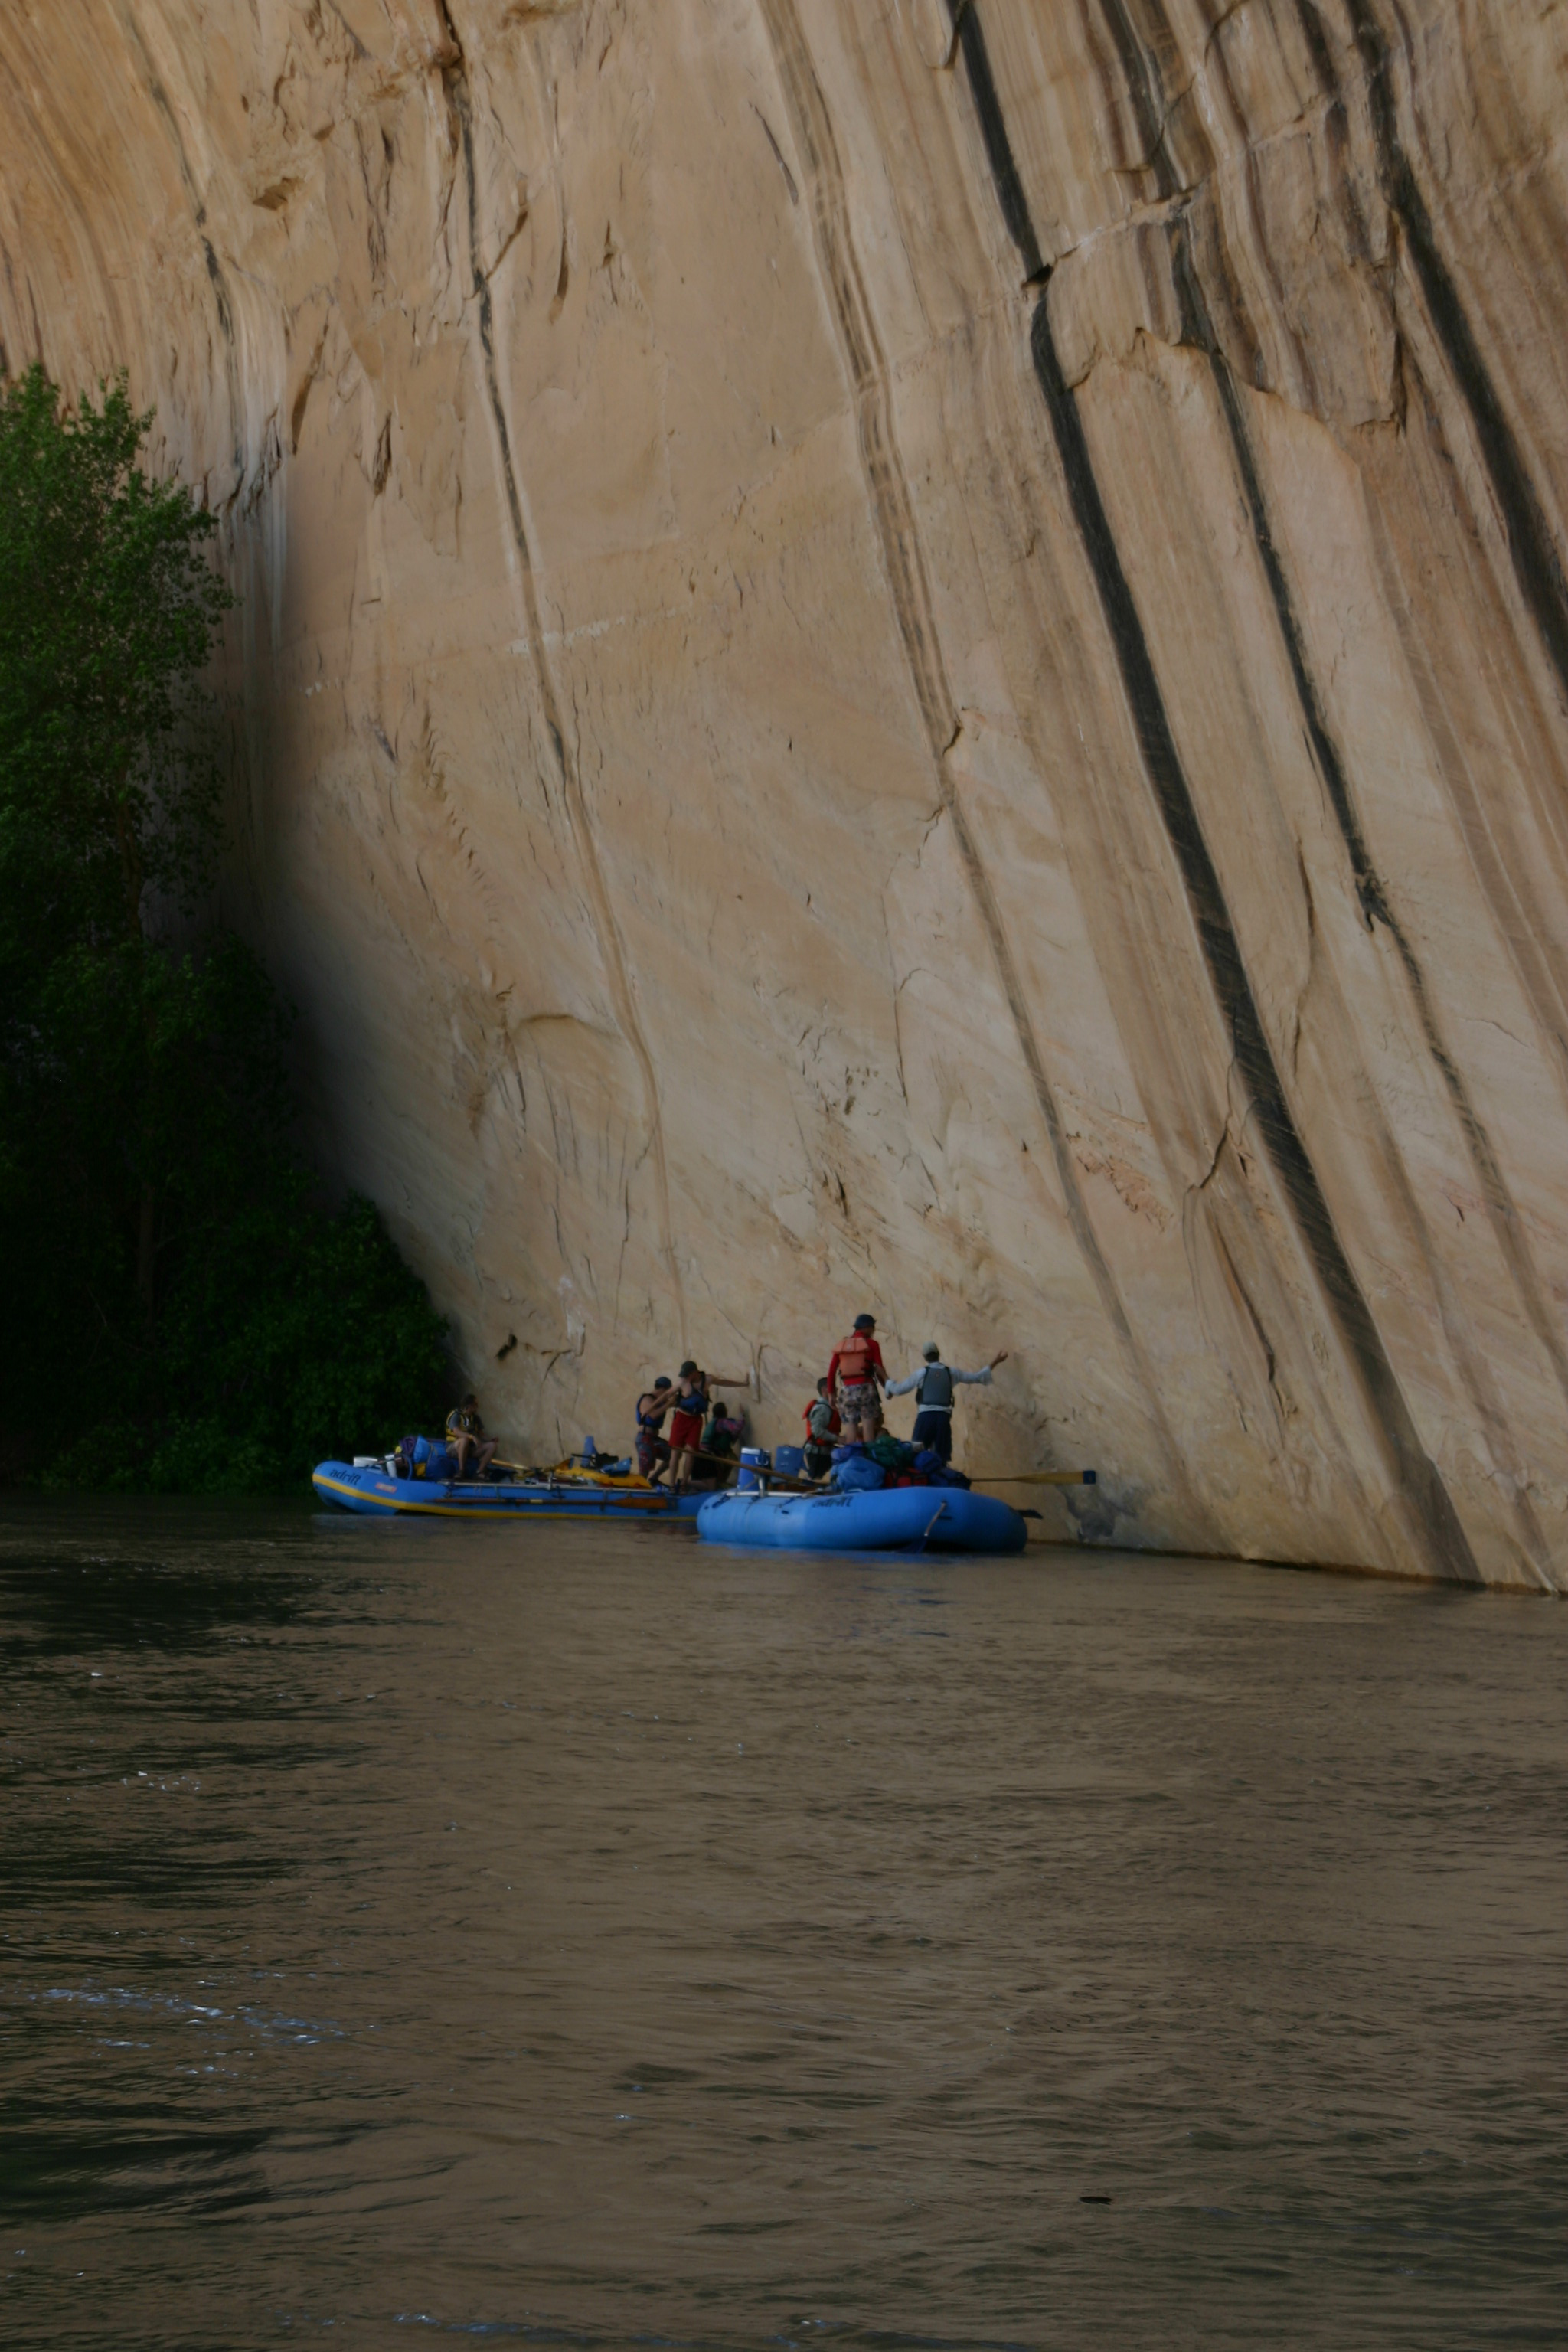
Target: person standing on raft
(933,1387)
(855,1378)
(653,1446)
(686,1422)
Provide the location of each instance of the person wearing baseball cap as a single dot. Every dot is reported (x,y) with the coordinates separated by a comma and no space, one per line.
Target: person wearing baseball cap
(692,1385)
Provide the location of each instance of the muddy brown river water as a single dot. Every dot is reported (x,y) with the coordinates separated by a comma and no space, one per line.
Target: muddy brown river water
(427,1934)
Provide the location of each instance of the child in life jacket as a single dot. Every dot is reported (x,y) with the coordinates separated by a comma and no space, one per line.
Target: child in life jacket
(726,1427)
(856,1378)
(822,1428)
(652,1445)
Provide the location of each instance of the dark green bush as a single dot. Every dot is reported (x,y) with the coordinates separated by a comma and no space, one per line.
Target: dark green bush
(183,1313)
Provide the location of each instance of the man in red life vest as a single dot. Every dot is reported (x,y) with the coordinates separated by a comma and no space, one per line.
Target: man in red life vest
(855,1377)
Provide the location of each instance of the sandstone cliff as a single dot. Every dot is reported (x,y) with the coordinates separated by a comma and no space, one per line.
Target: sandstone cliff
(892,665)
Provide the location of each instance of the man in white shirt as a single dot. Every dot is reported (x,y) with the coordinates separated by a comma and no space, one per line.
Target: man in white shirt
(933,1387)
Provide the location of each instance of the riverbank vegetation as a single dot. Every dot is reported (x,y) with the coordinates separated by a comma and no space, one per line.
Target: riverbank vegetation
(185,1312)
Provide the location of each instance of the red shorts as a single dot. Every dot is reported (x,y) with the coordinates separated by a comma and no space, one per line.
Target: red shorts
(685,1429)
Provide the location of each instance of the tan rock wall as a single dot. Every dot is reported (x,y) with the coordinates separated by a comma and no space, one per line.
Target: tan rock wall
(882,667)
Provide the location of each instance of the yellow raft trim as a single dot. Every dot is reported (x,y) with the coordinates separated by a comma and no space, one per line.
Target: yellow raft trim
(628,1504)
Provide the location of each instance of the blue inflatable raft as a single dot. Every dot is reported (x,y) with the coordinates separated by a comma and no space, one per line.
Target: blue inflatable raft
(891,1518)
(371,1488)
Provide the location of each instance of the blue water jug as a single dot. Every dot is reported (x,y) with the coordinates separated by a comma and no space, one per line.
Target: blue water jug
(789,1461)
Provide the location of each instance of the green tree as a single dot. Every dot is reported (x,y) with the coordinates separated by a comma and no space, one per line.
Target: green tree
(185,1312)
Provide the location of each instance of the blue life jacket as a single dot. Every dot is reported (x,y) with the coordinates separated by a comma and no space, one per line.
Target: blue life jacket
(934,1394)
(425,1459)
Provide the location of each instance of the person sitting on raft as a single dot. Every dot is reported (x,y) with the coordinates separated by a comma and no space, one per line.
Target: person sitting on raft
(652,1445)
(685,1423)
(933,1386)
(726,1427)
(854,1379)
(465,1436)
(823,1426)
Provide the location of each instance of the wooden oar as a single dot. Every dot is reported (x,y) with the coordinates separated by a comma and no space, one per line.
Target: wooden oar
(774,1478)
(551,1471)
(1034,1478)
(723,1461)
(811,1486)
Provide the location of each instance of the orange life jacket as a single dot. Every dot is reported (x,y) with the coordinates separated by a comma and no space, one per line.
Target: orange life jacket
(856,1357)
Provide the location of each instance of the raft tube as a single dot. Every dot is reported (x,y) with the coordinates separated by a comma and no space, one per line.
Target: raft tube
(891,1518)
(371,1488)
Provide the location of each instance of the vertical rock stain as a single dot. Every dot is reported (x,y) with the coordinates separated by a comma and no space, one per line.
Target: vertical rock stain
(893,512)
(1502,1215)
(612,948)
(1503,872)
(152,82)
(1415,1475)
(1531,547)
(1145,95)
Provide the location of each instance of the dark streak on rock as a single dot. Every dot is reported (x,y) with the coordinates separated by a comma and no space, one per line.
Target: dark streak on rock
(360,49)
(998,146)
(1144,92)
(301,398)
(1532,548)
(893,512)
(159,98)
(1317,49)
(1222,952)
(454,79)
(778,154)
(220,291)
(1507,1227)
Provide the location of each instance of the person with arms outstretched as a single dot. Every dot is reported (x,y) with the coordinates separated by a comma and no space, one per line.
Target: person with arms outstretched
(932,1386)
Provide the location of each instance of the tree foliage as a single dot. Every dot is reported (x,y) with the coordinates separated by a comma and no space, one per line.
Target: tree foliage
(185,1312)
